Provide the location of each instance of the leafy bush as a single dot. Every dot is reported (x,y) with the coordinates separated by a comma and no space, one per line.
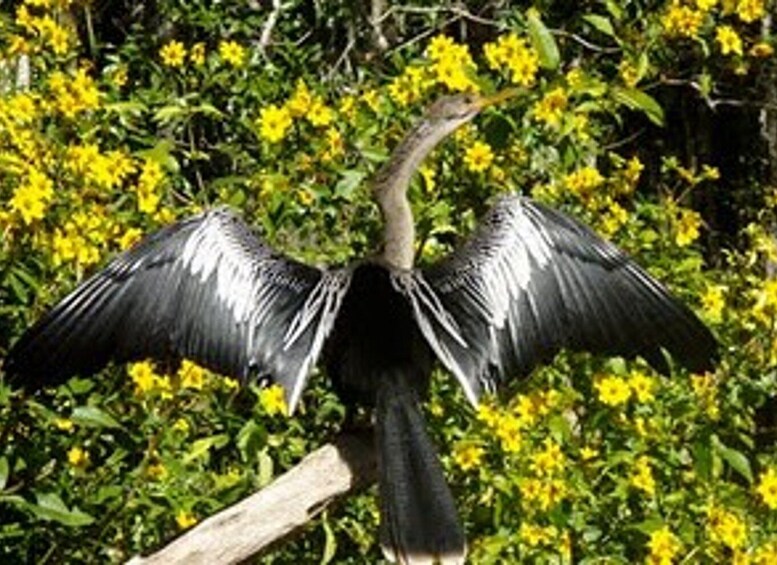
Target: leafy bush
(109,130)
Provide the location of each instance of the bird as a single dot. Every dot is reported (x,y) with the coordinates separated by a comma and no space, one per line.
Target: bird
(529,282)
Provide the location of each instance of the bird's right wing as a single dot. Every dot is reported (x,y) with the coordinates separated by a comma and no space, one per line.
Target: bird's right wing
(532,281)
(205,288)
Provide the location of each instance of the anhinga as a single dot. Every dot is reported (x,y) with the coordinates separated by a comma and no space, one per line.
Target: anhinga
(529,282)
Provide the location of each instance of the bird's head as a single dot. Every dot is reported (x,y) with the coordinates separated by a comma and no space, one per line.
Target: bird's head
(461,108)
(448,113)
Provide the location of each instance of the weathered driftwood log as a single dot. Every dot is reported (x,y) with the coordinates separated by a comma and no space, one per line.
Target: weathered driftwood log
(277,511)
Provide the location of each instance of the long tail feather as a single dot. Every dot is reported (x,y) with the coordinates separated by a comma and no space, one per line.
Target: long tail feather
(419,521)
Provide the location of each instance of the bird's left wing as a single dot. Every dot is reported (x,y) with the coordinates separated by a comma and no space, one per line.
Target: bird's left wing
(205,288)
(531,281)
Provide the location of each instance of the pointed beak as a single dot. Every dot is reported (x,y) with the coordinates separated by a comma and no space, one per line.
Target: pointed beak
(496,98)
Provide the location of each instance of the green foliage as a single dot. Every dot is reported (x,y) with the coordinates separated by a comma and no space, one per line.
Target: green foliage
(126,127)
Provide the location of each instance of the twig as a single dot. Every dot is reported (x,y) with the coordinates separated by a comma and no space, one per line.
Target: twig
(269,25)
(584,42)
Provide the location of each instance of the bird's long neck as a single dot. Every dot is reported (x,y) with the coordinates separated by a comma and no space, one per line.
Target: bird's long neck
(390,190)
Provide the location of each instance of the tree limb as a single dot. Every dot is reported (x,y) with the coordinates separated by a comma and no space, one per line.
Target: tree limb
(278,510)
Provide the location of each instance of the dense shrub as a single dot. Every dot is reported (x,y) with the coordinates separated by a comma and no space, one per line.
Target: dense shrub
(112,124)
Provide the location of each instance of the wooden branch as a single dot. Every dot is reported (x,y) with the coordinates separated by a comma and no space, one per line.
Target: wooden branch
(277,511)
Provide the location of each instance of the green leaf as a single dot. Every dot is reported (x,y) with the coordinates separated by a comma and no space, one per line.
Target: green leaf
(202,446)
(543,41)
(4,472)
(250,439)
(93,417)
(129,107)
(266,467)
(168,114)
(615,9)
(348,184)
(638,100)
(702,459)
(601,23)
(736,459)
(51,507)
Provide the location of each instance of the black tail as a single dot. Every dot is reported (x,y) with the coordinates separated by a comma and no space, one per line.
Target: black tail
(419,522)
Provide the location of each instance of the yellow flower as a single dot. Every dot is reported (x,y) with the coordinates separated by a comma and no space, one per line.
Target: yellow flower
(197,54)
(230,383)
(24,18)
(729,40)
(273,400)
(57,38)
(551,108)
(488,413)
(70,97)
(588,453)
(428,173)
(727,528)
(372,99)
(642,477)
(613,218)
(517,55)
(301,100)
(546,493)
(410,85)
(149,182)
(766,555)
(274,122)
(64,424)
(347,106)
(633,170)
(663,545)
(22,107)
(78,458)
(453,63)
(767,487)
(31,199)
(534,535)
(613,390)
(765,307)
(642,386)
(583,180)
(143,376)
(439,47)
(185,519)
(713,301)
(687,226)
(467,455)
(232,52)
(628,73)
(549,460)
(751,10)
(527,409)
(761,50)
(478,157)
(508,430)
(706,5)
(129,238)
(319,113)
(181,425)
(681,20)
(453,74)
(156,471)
(191,375)
(173,54)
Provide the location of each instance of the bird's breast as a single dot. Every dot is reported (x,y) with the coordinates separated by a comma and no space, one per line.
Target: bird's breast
(375,332)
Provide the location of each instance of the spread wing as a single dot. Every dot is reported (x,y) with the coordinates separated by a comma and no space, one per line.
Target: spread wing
(205,288)
(532,281)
